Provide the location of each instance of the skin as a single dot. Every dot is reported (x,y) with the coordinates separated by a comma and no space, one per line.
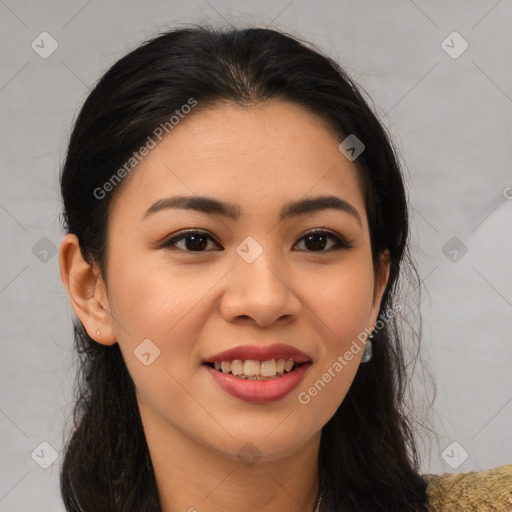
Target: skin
(194,304)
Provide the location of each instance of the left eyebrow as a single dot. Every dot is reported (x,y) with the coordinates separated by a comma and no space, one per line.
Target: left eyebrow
(213,206)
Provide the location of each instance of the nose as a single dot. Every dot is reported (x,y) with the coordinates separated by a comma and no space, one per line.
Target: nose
(260,292)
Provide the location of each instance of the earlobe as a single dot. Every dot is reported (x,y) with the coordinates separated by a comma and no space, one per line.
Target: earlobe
(85,289)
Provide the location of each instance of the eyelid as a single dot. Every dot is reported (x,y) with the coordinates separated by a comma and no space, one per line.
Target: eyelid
(340,241)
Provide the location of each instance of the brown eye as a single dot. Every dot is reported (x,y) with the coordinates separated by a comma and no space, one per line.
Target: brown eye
(193,241)
(317,241)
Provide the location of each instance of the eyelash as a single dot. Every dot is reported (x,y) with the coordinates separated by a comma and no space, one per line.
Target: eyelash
(340,242)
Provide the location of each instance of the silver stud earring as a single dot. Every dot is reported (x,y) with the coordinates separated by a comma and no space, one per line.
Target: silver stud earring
(98,332)
(368,350)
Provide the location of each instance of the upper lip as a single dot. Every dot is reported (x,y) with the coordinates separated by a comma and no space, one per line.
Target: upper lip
(260,353)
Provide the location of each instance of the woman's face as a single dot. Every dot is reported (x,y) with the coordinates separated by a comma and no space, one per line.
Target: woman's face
(253,278)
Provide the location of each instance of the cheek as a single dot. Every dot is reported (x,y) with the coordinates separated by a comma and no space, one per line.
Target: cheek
(169,305)
(343,300)
(153,312)
(152,301)
(343,304)
(158,316)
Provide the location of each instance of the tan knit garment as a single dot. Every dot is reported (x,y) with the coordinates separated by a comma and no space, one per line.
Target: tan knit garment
(478,491)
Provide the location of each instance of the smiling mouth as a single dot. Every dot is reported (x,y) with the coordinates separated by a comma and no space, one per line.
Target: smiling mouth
(251,369)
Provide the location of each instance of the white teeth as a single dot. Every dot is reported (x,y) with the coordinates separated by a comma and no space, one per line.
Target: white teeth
(253,369)
(268,368)
(237,367)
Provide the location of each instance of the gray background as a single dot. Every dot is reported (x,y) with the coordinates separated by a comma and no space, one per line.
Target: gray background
(450,118)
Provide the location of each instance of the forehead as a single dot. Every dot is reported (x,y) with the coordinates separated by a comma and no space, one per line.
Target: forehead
(254,156)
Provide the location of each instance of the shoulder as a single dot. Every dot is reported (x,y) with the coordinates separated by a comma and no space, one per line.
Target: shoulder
(479,491)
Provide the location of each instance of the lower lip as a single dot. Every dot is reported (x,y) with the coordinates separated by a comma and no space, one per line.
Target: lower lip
(259,391)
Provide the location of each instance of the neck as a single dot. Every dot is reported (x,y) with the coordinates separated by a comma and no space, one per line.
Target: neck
(193,478)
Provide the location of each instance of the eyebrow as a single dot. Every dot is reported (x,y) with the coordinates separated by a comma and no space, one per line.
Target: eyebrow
(213,206)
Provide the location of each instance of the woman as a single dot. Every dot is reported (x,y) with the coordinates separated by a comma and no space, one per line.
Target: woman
(236,229)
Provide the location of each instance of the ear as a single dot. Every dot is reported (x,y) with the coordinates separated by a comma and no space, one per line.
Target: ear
(86,291)
(381,281)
